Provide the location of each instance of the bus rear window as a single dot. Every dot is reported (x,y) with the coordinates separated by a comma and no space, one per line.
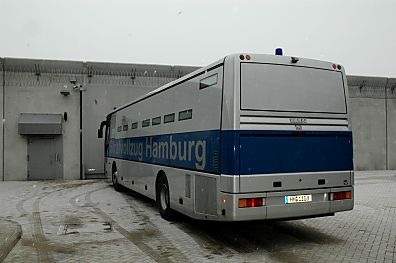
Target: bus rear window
(291,88)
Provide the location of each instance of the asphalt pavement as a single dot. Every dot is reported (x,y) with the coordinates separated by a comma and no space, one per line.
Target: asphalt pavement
(10,233)
(87,221)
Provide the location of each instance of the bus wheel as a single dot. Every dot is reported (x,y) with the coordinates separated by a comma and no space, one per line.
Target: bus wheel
(116,185)
(164,199)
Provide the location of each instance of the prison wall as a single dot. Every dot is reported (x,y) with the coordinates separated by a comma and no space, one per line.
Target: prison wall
(391,124)
(1,118)
(33,86)
(372,102)
(93,89)
(108,86)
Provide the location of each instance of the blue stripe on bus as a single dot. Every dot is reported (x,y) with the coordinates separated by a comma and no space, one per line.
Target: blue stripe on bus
(241,152)
(194,150)
(265,152)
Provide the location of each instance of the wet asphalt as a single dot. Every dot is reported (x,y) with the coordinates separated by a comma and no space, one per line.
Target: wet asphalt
(87,221)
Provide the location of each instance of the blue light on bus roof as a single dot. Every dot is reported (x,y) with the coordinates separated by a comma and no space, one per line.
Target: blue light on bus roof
(279,51)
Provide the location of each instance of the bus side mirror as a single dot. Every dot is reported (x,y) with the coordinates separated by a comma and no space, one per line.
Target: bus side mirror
(100,130)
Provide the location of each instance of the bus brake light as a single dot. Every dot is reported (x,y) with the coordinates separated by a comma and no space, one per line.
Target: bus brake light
(251,202)
(340,195)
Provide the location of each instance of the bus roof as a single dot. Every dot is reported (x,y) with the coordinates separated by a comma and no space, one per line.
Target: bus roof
(260,57)
(170,84)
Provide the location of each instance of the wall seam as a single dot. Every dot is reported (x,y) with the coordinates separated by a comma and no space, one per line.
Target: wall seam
(3,118)
(82,167)
(386,123)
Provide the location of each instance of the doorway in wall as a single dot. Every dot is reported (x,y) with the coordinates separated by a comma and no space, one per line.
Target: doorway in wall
(45,158)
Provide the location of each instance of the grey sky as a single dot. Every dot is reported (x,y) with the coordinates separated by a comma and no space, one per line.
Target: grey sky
(358,34)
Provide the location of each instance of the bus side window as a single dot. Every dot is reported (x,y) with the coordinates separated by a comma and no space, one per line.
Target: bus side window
(207,82)
(156,121)
(169,118)
(185,115)
(119,129)
(146,123)
(134,125)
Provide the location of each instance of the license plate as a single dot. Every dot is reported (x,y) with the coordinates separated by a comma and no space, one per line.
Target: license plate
(292,199)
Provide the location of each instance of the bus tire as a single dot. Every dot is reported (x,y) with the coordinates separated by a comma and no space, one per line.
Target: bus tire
(164,199)
(114,179)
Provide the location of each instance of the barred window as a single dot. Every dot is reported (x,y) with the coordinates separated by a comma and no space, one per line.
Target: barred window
(156,120)
(185,115)
(169,118)
(146,123)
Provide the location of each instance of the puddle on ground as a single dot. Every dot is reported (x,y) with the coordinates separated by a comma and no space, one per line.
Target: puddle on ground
(49,246)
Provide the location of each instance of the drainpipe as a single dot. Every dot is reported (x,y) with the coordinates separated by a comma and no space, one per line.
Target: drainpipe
(81,137)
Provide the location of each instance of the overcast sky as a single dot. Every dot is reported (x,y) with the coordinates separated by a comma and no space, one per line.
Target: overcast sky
(359,34)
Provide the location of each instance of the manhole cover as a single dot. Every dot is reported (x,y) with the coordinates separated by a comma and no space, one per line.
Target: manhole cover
(67,229)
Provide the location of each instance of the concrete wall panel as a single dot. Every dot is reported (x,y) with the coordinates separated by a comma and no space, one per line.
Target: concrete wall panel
(1,117)
(34,87)
(368,127)
(95,109)
(112,85)
(367,96)
(391,124)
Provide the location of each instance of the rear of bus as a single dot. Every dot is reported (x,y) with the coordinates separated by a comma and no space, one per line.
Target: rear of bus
(286,139)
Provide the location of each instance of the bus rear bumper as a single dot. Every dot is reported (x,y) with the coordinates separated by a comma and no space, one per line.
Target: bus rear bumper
(276,208)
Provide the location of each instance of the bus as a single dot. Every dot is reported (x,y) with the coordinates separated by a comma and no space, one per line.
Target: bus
(248,137)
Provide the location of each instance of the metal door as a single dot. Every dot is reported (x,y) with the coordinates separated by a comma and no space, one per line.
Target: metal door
(44,158)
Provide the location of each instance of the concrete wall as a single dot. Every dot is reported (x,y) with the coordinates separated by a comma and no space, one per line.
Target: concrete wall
(373,122)
(1,118)
(111,85)
(391,124)
(33,86)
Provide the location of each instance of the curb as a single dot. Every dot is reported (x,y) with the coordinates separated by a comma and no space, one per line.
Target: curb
(12,232)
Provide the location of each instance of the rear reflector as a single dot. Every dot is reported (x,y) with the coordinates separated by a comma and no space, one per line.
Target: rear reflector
(251,202)
(340,195)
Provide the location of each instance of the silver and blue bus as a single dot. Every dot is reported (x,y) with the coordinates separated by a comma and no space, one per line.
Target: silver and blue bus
(249,137)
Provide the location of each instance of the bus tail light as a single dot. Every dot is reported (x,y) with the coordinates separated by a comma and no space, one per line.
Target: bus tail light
(340,195)
(251,202)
